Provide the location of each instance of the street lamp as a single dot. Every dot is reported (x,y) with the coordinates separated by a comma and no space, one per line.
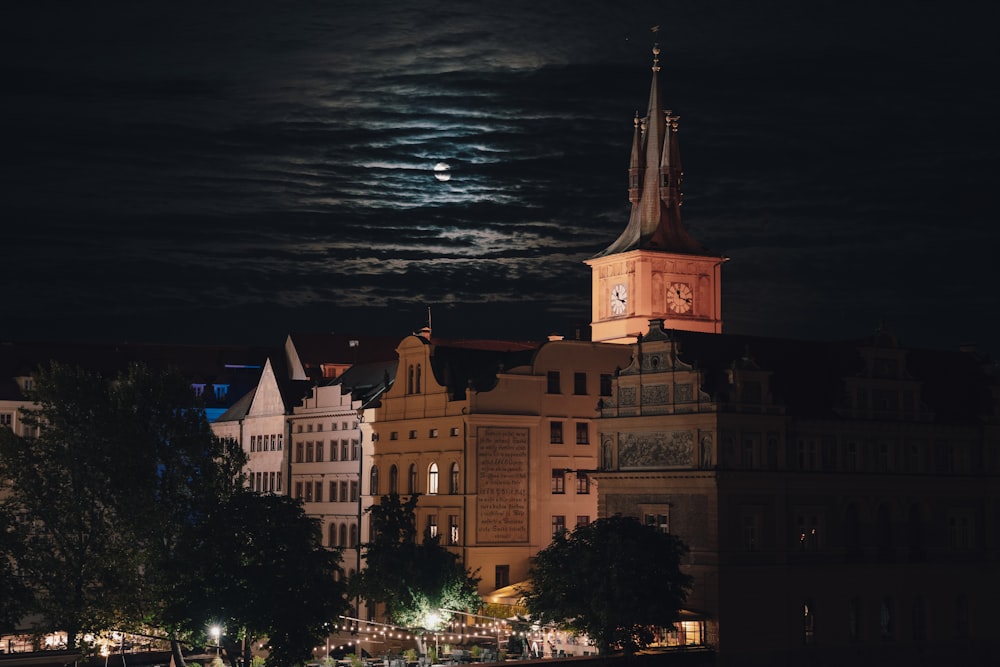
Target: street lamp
(216,633)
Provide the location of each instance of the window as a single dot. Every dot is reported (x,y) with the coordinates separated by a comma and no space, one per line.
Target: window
(413,434)
(580,384)
(808,451)
(959,531)
(452,529)
(344,451)
(310,452)
(432,525)
(661,522)
(309,428)
(333,492)
(318,492)
(333,450)
(432,479)
(353,542)
(887,618)
(919,619)
(453,483)
(808,622)
(333,426)
(298,490)
(343,491)
(278,442)
(354,491)
(373,481)
(411,481)
(854,619)
(750,529)
(394,435)
(393,479)
(454,431)
(582,483)
(309,492)
(582,520)
(319,427)
(553,382)
(413,379)
(319,451)
(433,433)
(558,480)
(501,576)
(342,531)
(582,433)
(299,448)
(555,433)
(331,535)
(807,531)
(355,446)
(605,384)
(558,524)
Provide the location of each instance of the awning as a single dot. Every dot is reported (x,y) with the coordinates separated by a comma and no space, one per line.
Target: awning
(508,594)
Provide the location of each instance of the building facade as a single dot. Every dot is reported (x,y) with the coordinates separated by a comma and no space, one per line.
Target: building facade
(840,500)
(498,440)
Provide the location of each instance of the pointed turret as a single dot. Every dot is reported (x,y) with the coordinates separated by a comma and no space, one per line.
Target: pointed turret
(655,270)
(654,183)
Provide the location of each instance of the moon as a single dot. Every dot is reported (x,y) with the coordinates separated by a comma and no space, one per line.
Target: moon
(442,171)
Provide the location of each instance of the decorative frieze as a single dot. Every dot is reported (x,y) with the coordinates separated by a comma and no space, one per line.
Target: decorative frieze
(655,449)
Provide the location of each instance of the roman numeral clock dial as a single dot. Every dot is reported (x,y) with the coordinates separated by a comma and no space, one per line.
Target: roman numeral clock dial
(680,298)
(619,299)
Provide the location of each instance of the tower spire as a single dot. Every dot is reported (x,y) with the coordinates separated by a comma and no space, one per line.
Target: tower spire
(655,181)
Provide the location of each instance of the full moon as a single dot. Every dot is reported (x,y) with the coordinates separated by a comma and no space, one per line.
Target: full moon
(442,171)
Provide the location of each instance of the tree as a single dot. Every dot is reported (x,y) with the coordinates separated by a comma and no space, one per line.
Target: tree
(613,580)
(414,582)
(116,466)
(260,571)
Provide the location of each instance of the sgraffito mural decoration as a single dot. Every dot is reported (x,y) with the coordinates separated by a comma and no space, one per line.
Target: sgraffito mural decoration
(656,449)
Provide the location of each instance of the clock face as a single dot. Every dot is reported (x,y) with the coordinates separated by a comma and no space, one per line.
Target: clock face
(680,297)
(619,297)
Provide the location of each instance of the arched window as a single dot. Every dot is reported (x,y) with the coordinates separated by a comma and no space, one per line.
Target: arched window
(453,481)
(417,383)
(411,482)
(393,479)
(373,481)
(343,535)
(852,532)
(914,533)
(432,479)
(409,379)
(331,535)
(353,543)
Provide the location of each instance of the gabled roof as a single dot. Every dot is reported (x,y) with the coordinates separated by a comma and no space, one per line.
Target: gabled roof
(237,367)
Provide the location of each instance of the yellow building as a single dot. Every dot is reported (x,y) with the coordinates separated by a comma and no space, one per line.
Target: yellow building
(497,438)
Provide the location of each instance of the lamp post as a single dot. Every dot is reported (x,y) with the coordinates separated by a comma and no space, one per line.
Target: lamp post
(216,633)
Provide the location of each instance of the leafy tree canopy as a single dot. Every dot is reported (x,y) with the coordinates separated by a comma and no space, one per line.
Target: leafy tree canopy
(613,580)
(260,571)
(134,515)
(414,581)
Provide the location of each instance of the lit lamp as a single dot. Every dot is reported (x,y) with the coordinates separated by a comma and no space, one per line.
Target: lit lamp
(216,633)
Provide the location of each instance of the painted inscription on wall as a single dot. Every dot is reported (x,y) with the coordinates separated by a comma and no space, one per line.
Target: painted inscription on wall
(502,503)
(656,449)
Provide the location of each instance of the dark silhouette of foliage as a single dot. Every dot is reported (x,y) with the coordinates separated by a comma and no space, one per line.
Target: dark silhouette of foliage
(613,580)
(134,515)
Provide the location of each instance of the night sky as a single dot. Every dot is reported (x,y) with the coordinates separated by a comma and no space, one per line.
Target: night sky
(229,173)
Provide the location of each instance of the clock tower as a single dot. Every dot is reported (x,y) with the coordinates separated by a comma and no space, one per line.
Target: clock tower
(655,269)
